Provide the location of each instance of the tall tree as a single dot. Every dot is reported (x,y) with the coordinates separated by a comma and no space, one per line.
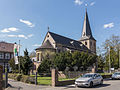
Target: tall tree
(12,65)
(44,66)
(26,63)
(112,47)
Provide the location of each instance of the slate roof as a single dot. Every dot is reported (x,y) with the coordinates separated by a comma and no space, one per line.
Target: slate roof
(86,33)
(67,41)
(46,45)
(6,47)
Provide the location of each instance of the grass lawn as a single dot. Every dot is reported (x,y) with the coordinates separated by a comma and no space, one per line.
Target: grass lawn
(47,80)
(105,73)
(44,80)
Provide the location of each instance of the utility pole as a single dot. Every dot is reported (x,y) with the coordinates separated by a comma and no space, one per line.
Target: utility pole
(119,56)
(109,62)
(19,57)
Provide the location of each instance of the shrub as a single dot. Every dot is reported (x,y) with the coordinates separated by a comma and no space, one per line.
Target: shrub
(18,77)
(23,78)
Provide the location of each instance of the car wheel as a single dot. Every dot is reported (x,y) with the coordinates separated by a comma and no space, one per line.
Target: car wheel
(91,84)
(112,78)
(101,82)
(76,86)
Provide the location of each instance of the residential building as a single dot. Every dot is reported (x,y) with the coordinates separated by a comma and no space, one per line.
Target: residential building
(6,53)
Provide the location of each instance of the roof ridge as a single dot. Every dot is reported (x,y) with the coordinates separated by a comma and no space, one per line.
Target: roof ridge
(63,36)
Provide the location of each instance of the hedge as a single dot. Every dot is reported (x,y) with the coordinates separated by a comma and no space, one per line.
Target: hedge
(23,78)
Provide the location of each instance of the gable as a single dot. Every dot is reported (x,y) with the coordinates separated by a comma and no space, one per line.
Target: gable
(50,39)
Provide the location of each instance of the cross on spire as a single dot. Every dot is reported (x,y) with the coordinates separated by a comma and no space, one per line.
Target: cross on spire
(48,28)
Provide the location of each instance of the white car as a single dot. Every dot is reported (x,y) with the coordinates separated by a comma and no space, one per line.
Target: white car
(116,75)
(89,80)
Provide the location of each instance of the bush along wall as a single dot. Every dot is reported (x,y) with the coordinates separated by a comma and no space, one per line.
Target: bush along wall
(22,78)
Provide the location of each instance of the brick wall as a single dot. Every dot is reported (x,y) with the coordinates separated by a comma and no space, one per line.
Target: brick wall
(66,82)
(55,81)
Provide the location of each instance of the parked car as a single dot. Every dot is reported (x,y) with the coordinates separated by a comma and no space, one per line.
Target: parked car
(116,75)
(89,80)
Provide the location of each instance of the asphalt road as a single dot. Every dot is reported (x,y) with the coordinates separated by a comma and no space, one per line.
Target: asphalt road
(107,85)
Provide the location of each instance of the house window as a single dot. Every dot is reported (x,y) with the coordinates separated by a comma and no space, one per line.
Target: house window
(91,43)
(11,55)
(38,57)
(85,43)
(1,55)
(7,56)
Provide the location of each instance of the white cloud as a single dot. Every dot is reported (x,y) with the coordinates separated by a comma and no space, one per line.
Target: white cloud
(109,25)
(36,45)
(30,35)
(92,3)
(12,29)
(27,22)
(12,35)
(21,36)
(78,2)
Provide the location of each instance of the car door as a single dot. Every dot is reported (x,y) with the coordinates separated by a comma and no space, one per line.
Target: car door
(98,77)
(95,81)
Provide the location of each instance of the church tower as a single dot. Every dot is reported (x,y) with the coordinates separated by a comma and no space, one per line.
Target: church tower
(87,38)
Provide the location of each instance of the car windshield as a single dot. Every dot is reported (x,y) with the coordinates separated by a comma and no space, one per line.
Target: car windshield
(88,75)
(116,73)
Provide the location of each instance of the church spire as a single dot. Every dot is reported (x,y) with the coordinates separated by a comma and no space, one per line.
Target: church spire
(86,28)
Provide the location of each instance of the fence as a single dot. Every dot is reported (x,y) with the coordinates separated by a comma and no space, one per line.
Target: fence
(42,78)
(70,74)
(46,78)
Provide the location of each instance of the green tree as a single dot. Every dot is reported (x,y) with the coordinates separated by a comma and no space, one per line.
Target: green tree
(12,65)
(44,66)
(111,47)
(67,59)
(101,63)
(60,61)
(77,60)
(26,63)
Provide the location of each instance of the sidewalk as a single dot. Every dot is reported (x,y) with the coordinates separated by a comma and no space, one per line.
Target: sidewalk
(16,85)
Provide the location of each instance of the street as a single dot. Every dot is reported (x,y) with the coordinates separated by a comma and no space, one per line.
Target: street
(108,85)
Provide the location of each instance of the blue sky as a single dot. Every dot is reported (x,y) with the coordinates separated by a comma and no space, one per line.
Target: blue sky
(27,20)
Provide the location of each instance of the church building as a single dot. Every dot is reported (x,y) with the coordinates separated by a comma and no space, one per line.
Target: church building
(55,43)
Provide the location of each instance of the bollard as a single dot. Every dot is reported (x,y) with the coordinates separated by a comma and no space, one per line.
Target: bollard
(1,77)
(6,79)
(36,78)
